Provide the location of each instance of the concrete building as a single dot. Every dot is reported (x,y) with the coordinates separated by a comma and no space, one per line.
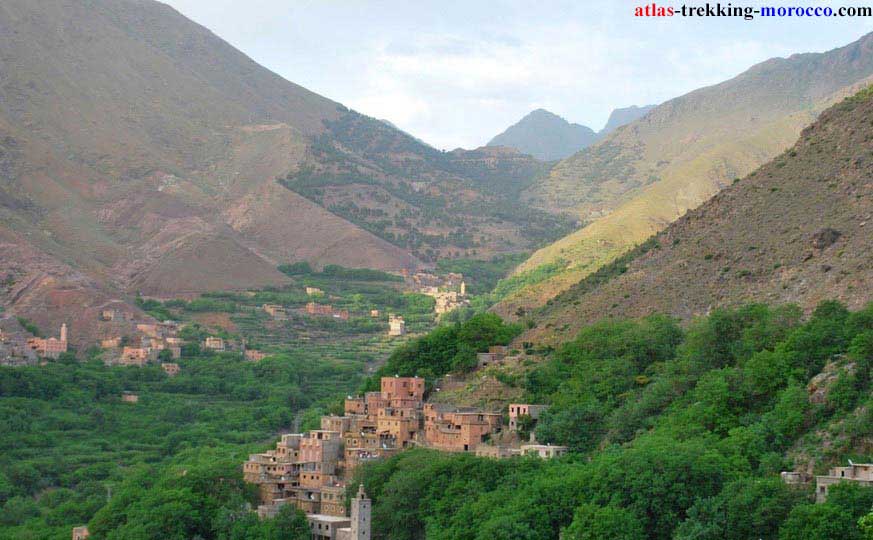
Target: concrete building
(495,452)
(361,518)
(214,343)
(81,533)
(544,451)
(314,291)
(325,527)
(860,473)
(396,326)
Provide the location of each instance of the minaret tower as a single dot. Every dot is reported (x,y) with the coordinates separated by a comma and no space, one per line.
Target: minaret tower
(361,513)
(64,332)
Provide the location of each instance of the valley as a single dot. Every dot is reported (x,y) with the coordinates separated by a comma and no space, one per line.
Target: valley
(232,308)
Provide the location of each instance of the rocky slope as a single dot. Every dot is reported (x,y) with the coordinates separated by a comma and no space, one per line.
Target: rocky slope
(797,230)
(139,152)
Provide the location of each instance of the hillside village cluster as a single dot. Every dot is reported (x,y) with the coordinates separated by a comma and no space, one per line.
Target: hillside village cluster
(310,470)
(150,338)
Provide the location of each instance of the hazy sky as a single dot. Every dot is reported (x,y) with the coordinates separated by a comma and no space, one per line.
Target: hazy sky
(457,73)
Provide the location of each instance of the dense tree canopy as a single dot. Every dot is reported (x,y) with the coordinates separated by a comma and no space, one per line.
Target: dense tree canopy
(677,434)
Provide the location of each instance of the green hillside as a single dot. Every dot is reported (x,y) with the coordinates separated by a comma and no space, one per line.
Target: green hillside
(674,434)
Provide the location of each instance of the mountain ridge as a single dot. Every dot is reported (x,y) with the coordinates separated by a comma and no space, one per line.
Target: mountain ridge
(142,154)
(545,135)
(793,231)
(648,173)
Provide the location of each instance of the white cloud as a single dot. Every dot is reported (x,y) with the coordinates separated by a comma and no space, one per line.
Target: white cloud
(456,74)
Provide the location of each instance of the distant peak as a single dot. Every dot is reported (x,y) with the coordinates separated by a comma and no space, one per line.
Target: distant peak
(545,135)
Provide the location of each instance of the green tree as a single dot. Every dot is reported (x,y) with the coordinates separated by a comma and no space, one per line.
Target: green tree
(592,522)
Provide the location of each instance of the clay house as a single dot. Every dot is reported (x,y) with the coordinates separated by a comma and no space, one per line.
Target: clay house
(134,356)
(355,405)
(129,397)
(375,313)
(81,533)
(275,311)
(308,470)
(333,500)
(214,344)
(457,429)
(446,301)
(402,391)
(326,310)
(320,446)
(158,330)
(254,355)
(148,329)
(401,424)
(860,473)
(543,451)
(51,347)
(520,410)
(339,424)
(313,308)
(396,326)
(170,368)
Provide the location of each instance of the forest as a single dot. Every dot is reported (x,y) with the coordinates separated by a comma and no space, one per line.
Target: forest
(168,467)
(676,433)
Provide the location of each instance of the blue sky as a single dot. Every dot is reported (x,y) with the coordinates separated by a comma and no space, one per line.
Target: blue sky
(457,73)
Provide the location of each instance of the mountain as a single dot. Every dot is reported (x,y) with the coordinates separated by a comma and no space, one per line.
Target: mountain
(139,152)
(622,116)
(545,136)
(647,174)
(797,230)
